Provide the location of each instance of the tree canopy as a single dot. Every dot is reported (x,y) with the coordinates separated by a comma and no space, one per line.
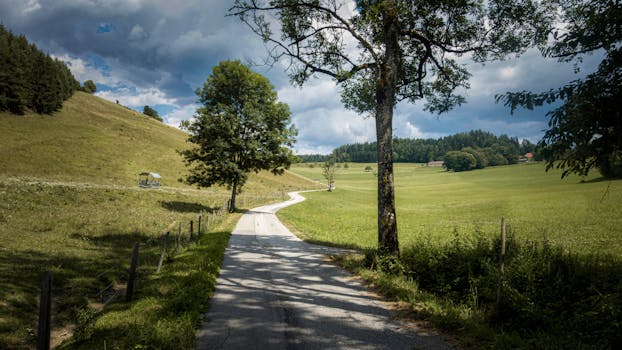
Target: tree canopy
(89,86)
(585,131)
(240,127)
(30,78)
(148,111)
(385,51)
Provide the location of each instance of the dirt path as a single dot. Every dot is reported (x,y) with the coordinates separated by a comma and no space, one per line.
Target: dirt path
(277,292)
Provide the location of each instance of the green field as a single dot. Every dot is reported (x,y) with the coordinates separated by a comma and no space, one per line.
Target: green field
(69,203)
(581,214)
(562,286)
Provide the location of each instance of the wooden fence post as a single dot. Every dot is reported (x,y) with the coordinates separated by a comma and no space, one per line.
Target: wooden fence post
(45,303)
(501,260)
(199,228)
(163,252)
(129,290)
(191,229)
(177,241)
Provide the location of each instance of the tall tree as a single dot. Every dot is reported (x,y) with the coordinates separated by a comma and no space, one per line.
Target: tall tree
(585,132)
(386,51)
(240,128)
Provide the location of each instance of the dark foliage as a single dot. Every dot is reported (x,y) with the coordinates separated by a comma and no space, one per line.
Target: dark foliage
(499,150)
(148,111)
(31,79)
(552,298)
(89,87)
(584,132)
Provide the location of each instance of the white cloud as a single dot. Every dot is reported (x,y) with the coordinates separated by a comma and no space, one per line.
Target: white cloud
(137,33)
(175,117)
(317,92)
(136,97)
(30,6)
(84,71)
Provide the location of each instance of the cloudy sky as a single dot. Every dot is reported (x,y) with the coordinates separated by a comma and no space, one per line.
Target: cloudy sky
(157,52)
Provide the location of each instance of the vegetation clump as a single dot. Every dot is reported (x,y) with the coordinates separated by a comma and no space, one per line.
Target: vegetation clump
(549,296)
(31,79)
(150,112)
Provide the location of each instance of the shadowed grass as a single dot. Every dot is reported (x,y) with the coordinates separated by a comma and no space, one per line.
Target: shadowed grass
(69,203)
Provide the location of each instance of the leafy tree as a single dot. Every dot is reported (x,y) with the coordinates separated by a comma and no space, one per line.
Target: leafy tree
(481,161)
(459,161)
(148,111)
(240,128)
(329,170)
(385,51)
(493,157)
(89,86)
(585,131)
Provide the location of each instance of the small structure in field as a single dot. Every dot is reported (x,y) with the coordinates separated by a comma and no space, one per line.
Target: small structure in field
(528,157)
(149,180)
(436,163)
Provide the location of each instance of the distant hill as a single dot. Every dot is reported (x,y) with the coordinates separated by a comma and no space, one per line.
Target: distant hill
(96,141)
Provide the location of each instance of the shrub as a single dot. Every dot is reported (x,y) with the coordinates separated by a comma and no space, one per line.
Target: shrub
(481,161)
(549,295)
(459,161)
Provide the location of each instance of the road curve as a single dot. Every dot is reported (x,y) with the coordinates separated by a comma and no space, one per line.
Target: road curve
(278,292)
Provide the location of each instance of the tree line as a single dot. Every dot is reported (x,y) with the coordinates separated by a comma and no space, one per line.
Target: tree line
(497,150)
(30,78)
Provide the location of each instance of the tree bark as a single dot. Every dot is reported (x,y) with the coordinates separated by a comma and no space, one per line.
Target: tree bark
(233,194)
(385,100)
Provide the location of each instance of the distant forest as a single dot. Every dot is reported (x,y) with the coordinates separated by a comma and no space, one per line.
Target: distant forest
(30,78)
(500,150)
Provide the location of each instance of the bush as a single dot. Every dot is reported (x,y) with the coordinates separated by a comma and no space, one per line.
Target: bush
(549,295)
(89,87)
(459,161)
(480,157)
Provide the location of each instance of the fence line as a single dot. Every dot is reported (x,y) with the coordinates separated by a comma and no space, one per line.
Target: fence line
(44,323)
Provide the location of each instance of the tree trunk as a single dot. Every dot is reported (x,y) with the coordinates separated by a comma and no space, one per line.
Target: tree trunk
(385,100)
(233,194)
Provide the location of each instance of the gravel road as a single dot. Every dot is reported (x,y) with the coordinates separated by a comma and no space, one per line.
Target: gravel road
(278,292)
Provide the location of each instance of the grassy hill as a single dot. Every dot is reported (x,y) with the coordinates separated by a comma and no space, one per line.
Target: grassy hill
(95,141)
(70,204)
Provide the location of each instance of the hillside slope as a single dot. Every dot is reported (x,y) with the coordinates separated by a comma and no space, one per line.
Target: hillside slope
(93,140)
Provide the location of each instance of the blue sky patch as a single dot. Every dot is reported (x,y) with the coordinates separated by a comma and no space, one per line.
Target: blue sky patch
(105,27)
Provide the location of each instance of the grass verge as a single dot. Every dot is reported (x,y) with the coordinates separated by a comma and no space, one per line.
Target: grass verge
(551,299)
(168,306)
(84,234)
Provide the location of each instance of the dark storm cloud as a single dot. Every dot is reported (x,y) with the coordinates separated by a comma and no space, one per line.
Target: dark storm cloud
(149,43)
(158,52)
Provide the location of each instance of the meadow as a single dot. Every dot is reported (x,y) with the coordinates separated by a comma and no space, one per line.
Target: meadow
(580,214)
(562,283)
